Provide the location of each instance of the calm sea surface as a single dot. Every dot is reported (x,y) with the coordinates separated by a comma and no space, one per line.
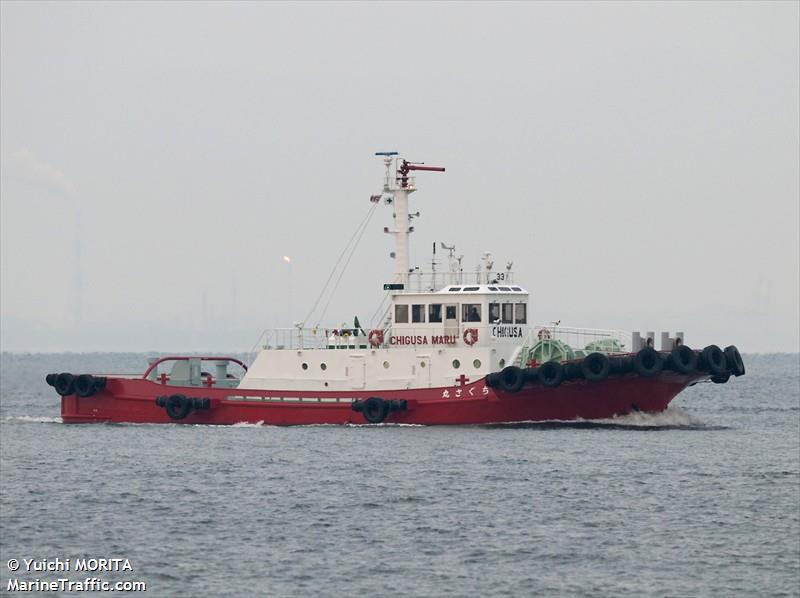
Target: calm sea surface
(702,500)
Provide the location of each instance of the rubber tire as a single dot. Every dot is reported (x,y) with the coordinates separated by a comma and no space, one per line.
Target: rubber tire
(375,410)
(397,405)
(512,378)
(721,379)
(85,386)
(648,362)
(734,359)
(713,359)
(493,379)
(178,407)
(596,367)
(621,364)
(572,371)
(683,360)
(551,374)
(531,374)
(65,384)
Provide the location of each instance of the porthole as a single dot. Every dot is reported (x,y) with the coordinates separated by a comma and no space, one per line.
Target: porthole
(323,366)
(304,366)
(477,363)
(422,364)
(386,364)
(456,364)
(502,363)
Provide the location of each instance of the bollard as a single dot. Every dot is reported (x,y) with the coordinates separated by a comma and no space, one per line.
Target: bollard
(666,342)
(636,342)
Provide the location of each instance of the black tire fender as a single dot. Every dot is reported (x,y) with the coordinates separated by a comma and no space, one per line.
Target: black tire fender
(595,367)
(721,379)
(713,360)
(572,370)
(85,385)
(65,384)
(683,360)
(493,379)
(178,406)
(648,362)
(512,378)
(621,364)
(375,410)
(551,374)
(734,359)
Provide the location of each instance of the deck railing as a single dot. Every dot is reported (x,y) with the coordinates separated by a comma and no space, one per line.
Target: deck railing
(426,282)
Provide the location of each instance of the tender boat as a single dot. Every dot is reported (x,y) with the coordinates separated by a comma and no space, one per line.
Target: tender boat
(451,347)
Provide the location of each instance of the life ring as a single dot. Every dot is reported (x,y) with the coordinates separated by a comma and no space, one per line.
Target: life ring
(470,336)
(544,334)
(375,338)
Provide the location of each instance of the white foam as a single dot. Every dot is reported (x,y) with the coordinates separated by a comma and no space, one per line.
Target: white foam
(257,424)
(671,416)
(33,420)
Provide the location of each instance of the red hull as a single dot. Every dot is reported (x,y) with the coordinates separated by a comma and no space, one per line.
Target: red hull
(133,400)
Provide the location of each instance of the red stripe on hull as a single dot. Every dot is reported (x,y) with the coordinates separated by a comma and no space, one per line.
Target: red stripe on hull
(133,401)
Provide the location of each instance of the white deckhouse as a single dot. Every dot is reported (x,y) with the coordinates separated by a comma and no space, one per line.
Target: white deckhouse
(441,328)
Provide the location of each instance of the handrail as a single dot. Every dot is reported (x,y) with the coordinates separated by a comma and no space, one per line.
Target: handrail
(155,364)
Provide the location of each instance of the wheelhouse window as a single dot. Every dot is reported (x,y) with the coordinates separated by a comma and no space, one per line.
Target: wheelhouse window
(471,312)
(417,313)
(435,312)
(450,312)
(494,313)
(520,313)
(401,314)
(508,313)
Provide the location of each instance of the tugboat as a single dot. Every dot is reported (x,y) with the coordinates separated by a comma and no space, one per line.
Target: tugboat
(453,347)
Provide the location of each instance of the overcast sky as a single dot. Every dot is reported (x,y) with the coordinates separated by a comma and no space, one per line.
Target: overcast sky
(638,162)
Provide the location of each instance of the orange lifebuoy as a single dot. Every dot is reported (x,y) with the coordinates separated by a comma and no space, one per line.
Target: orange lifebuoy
(470,336)
(544,334)
(375,338)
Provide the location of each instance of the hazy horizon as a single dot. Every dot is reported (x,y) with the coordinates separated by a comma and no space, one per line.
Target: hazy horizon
(638,162)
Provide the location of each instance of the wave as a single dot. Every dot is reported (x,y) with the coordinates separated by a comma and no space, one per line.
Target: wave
(30,419)
(672,418)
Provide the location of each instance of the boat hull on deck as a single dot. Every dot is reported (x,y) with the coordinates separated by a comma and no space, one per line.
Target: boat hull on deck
(129,400)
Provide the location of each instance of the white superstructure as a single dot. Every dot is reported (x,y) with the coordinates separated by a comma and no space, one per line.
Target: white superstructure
(459,328)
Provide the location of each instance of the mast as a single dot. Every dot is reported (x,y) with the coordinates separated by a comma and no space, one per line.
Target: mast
(396,190)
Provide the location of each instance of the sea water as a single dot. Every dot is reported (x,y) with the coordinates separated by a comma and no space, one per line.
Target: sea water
(701,500)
